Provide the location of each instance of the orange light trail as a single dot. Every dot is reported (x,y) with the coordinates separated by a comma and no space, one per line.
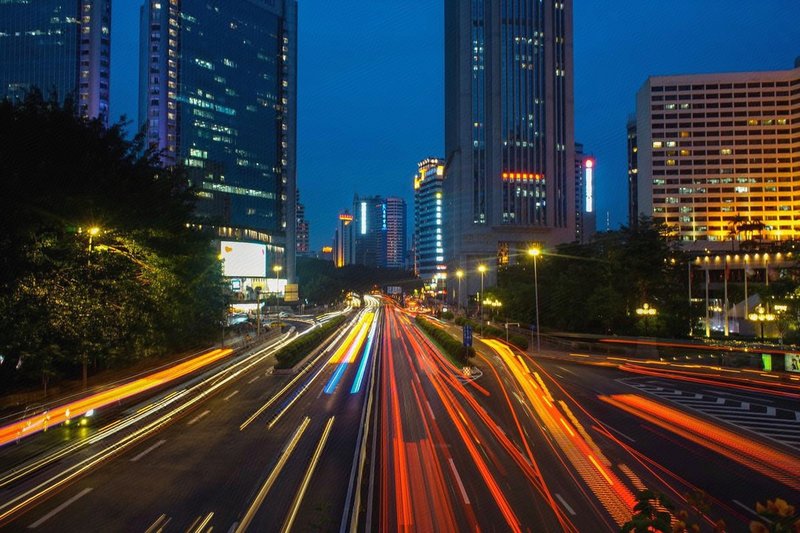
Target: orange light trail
(62,413)
(759,457)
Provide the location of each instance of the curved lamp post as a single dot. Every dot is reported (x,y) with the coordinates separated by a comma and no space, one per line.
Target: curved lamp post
(761,315)
(482,269)
(645,311)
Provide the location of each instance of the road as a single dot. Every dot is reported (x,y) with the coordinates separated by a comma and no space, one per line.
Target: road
(265,451)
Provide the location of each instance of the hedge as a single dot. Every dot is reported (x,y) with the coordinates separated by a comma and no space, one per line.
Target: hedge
(450,344)
(295,351)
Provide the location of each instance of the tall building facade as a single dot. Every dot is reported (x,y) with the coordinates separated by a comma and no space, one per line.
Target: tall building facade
(343,241)
(218,94)
(716,151)
(633,172)
(429,263)
(585,213)
(509,136)
(395,236)
(302,228)
(57,45)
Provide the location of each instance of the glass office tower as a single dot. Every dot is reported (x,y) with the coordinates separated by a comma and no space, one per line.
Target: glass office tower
(509,139)
(57,46)
(218,96)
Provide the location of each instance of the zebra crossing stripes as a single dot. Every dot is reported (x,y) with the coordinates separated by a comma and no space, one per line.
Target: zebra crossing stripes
(752,414)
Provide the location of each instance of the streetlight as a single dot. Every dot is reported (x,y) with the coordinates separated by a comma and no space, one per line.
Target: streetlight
(277,269)
(459,275)
(645,311)
(92,232)
(482,270)
(761,315)
(493,304)
(535,252)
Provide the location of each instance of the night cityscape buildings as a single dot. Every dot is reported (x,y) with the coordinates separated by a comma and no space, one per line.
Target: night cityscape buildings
(428,245)
(716,153)
(218,94)
(343,240)
(585,212)
(379,231)
(302,232)
(509,139)
(61,46)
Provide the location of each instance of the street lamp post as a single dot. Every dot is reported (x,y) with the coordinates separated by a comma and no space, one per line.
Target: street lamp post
(93,232)
(277,269)
(459,275)
(258,312)
(645,311)
(761,315)
(535,252)
(482,270)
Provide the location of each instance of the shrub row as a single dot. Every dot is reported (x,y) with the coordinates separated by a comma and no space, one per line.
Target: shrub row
(520,341)
(450,344)
(292,353)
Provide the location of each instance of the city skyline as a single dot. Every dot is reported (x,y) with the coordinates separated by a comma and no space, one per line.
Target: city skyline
(342,144)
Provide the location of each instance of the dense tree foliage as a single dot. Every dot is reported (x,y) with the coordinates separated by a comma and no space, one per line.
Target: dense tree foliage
(140,284)
(597,287)
(321,282)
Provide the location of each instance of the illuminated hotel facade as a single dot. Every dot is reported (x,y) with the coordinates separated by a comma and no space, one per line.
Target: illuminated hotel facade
(218,85)
(509,135)
(57,45)
(714,153)
(429,262)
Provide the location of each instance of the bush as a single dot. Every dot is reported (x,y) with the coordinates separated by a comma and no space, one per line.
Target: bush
(292,353)
(447,315)
(448,343)
(520,341)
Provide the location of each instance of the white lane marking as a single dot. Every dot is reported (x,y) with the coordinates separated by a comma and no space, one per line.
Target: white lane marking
(567,506)
(198,417)
(618,432)
(567,370)
(231,395)
(458,480)
(430,410)
(751,511)
(148,450)
(60,508)
(737,395)
(252,380)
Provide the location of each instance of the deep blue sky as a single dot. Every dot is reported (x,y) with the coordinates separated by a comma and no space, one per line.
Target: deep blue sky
(371,83)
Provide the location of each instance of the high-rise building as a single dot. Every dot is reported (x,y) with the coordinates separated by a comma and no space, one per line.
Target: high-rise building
(509,139)
(717,152)
(218,94)
(61,46)
(343,241)
(429,262)
(395,234)
(585,215)
(302,227)
(633,171)
(379,231)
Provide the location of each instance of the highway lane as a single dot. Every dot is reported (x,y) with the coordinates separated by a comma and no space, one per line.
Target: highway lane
(203,463)
(670,461)
(446,465)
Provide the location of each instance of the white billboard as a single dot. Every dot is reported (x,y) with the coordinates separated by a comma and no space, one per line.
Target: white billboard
(792,361)
(243,259)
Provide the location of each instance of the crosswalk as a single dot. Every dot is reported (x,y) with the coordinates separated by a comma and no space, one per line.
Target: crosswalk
(746,412)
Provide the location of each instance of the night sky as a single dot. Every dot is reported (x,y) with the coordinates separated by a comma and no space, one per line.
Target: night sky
(371,84)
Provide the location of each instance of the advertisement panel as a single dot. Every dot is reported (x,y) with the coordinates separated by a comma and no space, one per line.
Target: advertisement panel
(243,259)
(291,293)
(792,362)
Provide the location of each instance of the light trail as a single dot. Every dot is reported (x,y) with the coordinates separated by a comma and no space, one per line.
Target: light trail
(754,455)
(357,383)
(62,413)
(346,353)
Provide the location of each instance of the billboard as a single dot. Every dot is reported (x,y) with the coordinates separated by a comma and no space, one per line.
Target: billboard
(792,362)
(243,259)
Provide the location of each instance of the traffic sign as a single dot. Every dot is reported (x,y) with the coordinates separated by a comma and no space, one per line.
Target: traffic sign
(467,330)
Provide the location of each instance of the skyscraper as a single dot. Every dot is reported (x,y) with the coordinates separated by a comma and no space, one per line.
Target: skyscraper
(302,227)
(715,155)
(343,241)
(57,45)
(218,94)
(585,216)
(394,249)
(633,171)
(429,262)
(509,140)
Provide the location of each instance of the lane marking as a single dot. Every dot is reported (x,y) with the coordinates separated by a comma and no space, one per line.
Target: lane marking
(148,450)
(198,417)
(618,432)
(751,511)
(60,508)
(231,395)
(458,480)
(254,379)
(157,523)
(567,506)
(433,416)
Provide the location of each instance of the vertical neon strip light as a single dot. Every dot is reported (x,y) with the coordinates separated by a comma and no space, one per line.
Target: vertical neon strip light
(589,164)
